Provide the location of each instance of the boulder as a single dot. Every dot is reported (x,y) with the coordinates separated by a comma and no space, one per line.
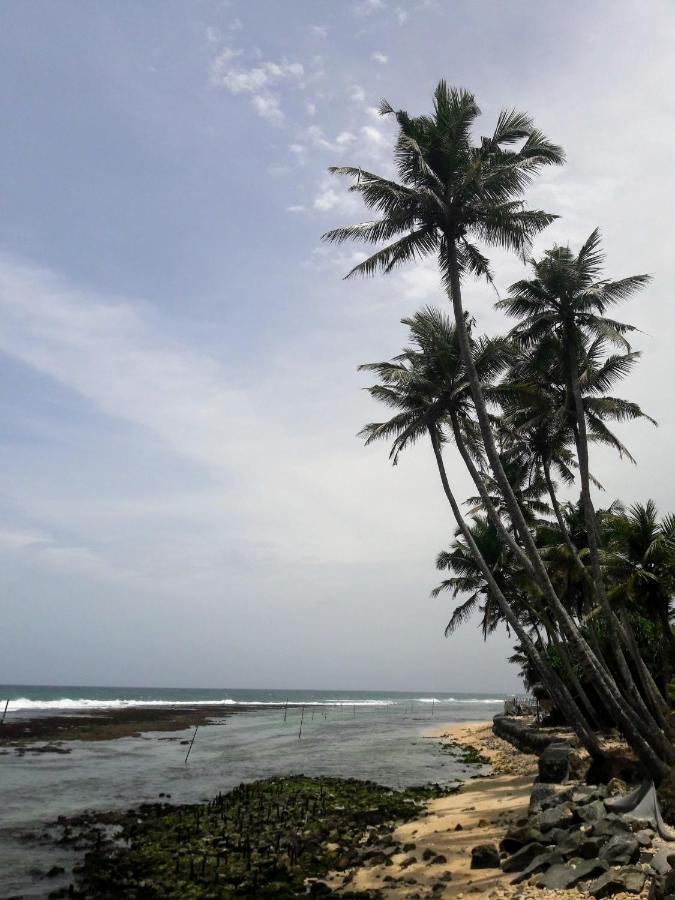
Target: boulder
(590,812)
(610,826)
(618,881)
(560,816)
(539,864)
(540,793)
(554,764)
(485,856)
(562,876)
(515,838)
(522,858)
(621,850)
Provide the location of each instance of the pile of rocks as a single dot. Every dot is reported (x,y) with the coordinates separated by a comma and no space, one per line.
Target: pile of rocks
(572,840)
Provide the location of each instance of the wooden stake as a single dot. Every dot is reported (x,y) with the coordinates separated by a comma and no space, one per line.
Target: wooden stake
(302,716)
(191,743)
(2,721)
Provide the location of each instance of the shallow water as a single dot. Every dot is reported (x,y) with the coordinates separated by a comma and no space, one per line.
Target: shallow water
(379,737)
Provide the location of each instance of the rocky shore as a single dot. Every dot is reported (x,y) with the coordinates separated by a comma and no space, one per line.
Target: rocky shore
(500,834)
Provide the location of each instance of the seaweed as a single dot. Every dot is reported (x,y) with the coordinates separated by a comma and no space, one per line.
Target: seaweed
(264,839)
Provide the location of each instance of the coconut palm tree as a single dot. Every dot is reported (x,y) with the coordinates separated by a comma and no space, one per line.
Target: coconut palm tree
(453,192)
(566,303)
(427,387)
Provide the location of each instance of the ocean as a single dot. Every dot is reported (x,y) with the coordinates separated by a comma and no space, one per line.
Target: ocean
(382,736)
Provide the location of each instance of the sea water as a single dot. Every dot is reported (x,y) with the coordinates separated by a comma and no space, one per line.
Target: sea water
(374,735)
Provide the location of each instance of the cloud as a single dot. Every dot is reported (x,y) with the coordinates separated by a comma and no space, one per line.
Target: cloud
(368,7)
(318,31)
(401,15)
(379,57)
(256,80)
(267,106)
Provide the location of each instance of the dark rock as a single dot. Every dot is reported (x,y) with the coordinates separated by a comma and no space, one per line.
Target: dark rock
(458,827)
(446,876)
(557,817)
(621,850)
(590,812)
(554,764)
(610,826)
(578,843)
(515,838)
(439,860)
(539,864)
(408,847)
(522,858)
(485,856)
(410,861)
(540,793)
(319,889)
(566,875)
(428,854)
(629,881)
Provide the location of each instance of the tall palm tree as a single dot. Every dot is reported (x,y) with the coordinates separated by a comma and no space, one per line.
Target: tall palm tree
(566,302)
(426,385)
(452,192)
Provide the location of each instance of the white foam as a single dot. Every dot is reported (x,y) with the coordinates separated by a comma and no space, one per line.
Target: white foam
(21,704)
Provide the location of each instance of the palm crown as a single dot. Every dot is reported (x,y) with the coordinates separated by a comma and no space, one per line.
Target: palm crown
(450,189)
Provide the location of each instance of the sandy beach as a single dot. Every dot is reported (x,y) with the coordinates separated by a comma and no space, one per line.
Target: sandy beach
(440,840)
(451,826)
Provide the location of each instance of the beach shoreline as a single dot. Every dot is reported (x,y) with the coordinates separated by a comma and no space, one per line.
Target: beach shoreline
(483,807)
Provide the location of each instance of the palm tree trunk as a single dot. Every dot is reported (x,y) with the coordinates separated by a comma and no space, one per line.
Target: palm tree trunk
(633,728)
(653,694)
(556,688)
(613,627)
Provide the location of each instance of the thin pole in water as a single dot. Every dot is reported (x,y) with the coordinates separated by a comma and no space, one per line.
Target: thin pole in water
(191,743)
(2,721)
(302,716)
(433,701)
(286,709)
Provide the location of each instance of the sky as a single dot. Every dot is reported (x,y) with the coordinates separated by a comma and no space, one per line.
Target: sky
(183,498)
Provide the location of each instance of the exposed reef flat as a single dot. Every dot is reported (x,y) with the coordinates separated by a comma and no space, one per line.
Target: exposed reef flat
(108,724)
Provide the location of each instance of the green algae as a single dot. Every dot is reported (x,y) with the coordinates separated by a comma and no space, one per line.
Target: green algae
(465,753)
(264,839)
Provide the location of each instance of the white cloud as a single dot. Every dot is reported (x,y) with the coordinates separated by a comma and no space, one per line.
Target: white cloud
(368,7)
(310,108)
(318,31)
(401,15)
(236,25)
(358,95)
(379,57)
(267,106)
(256,80)
(296,209)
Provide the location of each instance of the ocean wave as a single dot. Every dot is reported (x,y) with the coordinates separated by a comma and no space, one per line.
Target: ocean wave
(23,704)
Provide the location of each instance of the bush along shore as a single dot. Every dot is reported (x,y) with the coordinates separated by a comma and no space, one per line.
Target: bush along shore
(272,838)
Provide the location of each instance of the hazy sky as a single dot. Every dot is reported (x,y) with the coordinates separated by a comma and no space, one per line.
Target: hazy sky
(183,498)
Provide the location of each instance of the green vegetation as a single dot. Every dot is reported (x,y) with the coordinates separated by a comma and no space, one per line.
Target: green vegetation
(465,754)
(587,593)
(263,839)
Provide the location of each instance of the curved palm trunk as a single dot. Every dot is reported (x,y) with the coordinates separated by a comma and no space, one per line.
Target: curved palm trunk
(649,748)
(613,626)
(653,694)
(556,688)
(508,538)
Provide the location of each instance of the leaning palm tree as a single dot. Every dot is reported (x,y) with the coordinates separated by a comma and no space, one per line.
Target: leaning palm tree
(566,302)
(450,194)
(427,387)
